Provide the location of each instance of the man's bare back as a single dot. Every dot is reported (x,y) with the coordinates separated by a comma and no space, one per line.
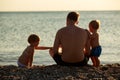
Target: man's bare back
(73,40)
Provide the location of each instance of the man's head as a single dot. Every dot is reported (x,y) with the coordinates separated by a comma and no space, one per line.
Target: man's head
(73,16)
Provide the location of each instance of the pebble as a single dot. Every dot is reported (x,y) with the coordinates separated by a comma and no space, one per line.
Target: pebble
(56,72)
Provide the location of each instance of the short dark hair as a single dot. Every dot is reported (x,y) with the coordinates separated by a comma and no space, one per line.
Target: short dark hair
(94,24)
(73,16)
(33,38)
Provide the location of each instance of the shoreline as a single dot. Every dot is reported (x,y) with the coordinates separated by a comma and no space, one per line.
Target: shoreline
(57,72)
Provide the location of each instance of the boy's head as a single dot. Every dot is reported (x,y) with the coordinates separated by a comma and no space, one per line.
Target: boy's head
(33,38)
(73,16)
(94,24)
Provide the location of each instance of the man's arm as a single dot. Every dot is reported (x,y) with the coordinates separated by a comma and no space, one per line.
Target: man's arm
(87,46)
(56,43)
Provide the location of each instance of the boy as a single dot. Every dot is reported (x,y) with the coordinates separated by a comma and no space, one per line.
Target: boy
(96,48)
(26,59)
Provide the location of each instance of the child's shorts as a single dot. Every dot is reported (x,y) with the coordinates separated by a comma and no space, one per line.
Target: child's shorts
(20,64)
(96,51)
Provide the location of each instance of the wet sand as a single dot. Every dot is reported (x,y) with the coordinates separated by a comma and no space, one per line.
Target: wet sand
(56,72)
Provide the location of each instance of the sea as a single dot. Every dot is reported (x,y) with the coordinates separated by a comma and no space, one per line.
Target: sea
(15,27)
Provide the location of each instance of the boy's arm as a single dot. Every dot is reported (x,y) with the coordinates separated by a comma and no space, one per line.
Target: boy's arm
(42,48)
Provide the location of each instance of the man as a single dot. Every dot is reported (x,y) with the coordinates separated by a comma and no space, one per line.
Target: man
(74,41)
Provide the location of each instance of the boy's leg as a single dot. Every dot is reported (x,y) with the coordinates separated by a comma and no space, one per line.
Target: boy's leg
(93,60)
(97,61)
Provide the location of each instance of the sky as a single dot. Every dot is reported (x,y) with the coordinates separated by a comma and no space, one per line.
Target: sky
(58,5)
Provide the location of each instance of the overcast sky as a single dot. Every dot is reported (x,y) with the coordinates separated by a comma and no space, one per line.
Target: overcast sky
(58,5)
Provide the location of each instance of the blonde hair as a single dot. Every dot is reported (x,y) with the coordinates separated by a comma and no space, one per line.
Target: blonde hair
(95,24)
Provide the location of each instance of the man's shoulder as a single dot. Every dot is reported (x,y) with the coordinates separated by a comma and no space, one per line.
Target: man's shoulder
(87,31)
(80,28)
(84,30)
(62,29)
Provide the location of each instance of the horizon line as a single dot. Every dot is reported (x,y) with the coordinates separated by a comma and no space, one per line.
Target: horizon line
(57,10)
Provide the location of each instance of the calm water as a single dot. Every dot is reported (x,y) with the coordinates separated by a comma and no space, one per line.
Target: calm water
(16,27)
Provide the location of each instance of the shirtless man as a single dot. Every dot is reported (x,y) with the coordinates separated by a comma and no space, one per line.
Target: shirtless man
(74,41)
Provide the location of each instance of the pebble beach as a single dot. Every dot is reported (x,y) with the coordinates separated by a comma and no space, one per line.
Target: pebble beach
(57,72)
